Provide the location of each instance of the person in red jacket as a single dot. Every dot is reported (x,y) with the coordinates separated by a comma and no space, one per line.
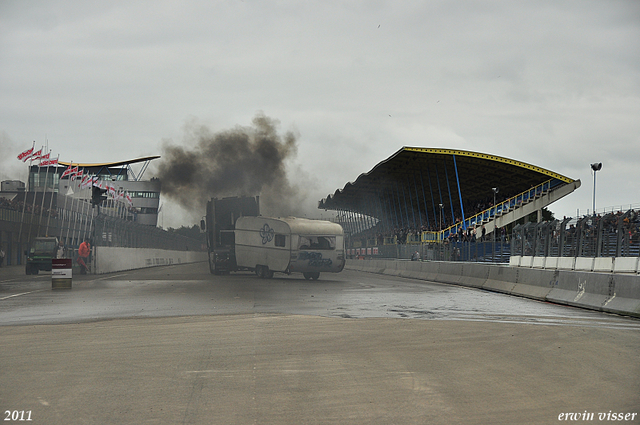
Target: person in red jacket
(83,256)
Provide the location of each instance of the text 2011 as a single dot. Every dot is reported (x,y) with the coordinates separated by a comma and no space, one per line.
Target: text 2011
(17,415)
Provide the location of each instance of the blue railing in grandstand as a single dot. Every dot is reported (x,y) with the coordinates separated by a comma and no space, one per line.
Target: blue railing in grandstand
(501,208)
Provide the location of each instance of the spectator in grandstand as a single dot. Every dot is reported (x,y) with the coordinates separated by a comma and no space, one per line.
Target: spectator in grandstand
(1,256)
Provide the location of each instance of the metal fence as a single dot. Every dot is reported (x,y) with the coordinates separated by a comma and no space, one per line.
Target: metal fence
(114,231)
(480,251)
(612,235)
(615,234)
(73,221)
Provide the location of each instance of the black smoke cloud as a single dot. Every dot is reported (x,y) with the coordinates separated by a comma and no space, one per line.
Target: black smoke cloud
(244,161)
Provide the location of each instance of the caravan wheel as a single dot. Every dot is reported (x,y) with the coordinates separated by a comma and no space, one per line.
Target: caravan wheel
(264,272)
(311,275)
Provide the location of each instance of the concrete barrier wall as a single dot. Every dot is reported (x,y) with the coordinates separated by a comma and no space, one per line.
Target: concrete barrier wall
(586,264)
(609,292)
(115,259)
(534,283)
(474,275)
(501,279)
(626,265)
(566,263)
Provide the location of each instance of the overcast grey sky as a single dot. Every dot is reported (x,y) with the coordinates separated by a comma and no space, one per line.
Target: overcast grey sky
(552,83)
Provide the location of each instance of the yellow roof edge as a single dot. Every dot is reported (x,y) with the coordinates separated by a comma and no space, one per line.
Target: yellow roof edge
(110,164)
(491,158)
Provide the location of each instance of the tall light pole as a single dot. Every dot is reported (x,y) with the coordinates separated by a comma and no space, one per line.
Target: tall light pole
(495,221)
(441,232)
(596,166)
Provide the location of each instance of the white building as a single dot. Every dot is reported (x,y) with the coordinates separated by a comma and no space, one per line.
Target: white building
(144,194)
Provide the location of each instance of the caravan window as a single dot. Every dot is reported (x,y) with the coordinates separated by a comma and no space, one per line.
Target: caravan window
(317,242)
(280,240)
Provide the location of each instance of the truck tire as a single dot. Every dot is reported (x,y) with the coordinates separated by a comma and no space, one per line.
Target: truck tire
(212,269)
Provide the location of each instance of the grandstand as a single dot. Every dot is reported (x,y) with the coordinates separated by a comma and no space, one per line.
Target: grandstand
(436,193)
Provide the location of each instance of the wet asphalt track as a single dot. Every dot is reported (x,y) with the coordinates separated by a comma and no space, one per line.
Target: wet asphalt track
(189,290)
(178,345)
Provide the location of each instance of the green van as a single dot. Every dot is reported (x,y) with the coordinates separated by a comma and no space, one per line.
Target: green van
(40,255)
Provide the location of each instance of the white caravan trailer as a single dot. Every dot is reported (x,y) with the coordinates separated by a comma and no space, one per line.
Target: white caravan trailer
(287,245)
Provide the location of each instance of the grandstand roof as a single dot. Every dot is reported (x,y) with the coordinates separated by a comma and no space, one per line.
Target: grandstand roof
(418,179)
(112,164)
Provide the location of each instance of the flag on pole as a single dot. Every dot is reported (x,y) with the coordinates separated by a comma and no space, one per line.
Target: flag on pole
(26,154)
(80,175)
(70,170)
(77,175)
(36,156)
(48,160)
(86,181)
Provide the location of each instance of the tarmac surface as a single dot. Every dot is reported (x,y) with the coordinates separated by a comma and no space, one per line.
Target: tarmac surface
(177,345)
